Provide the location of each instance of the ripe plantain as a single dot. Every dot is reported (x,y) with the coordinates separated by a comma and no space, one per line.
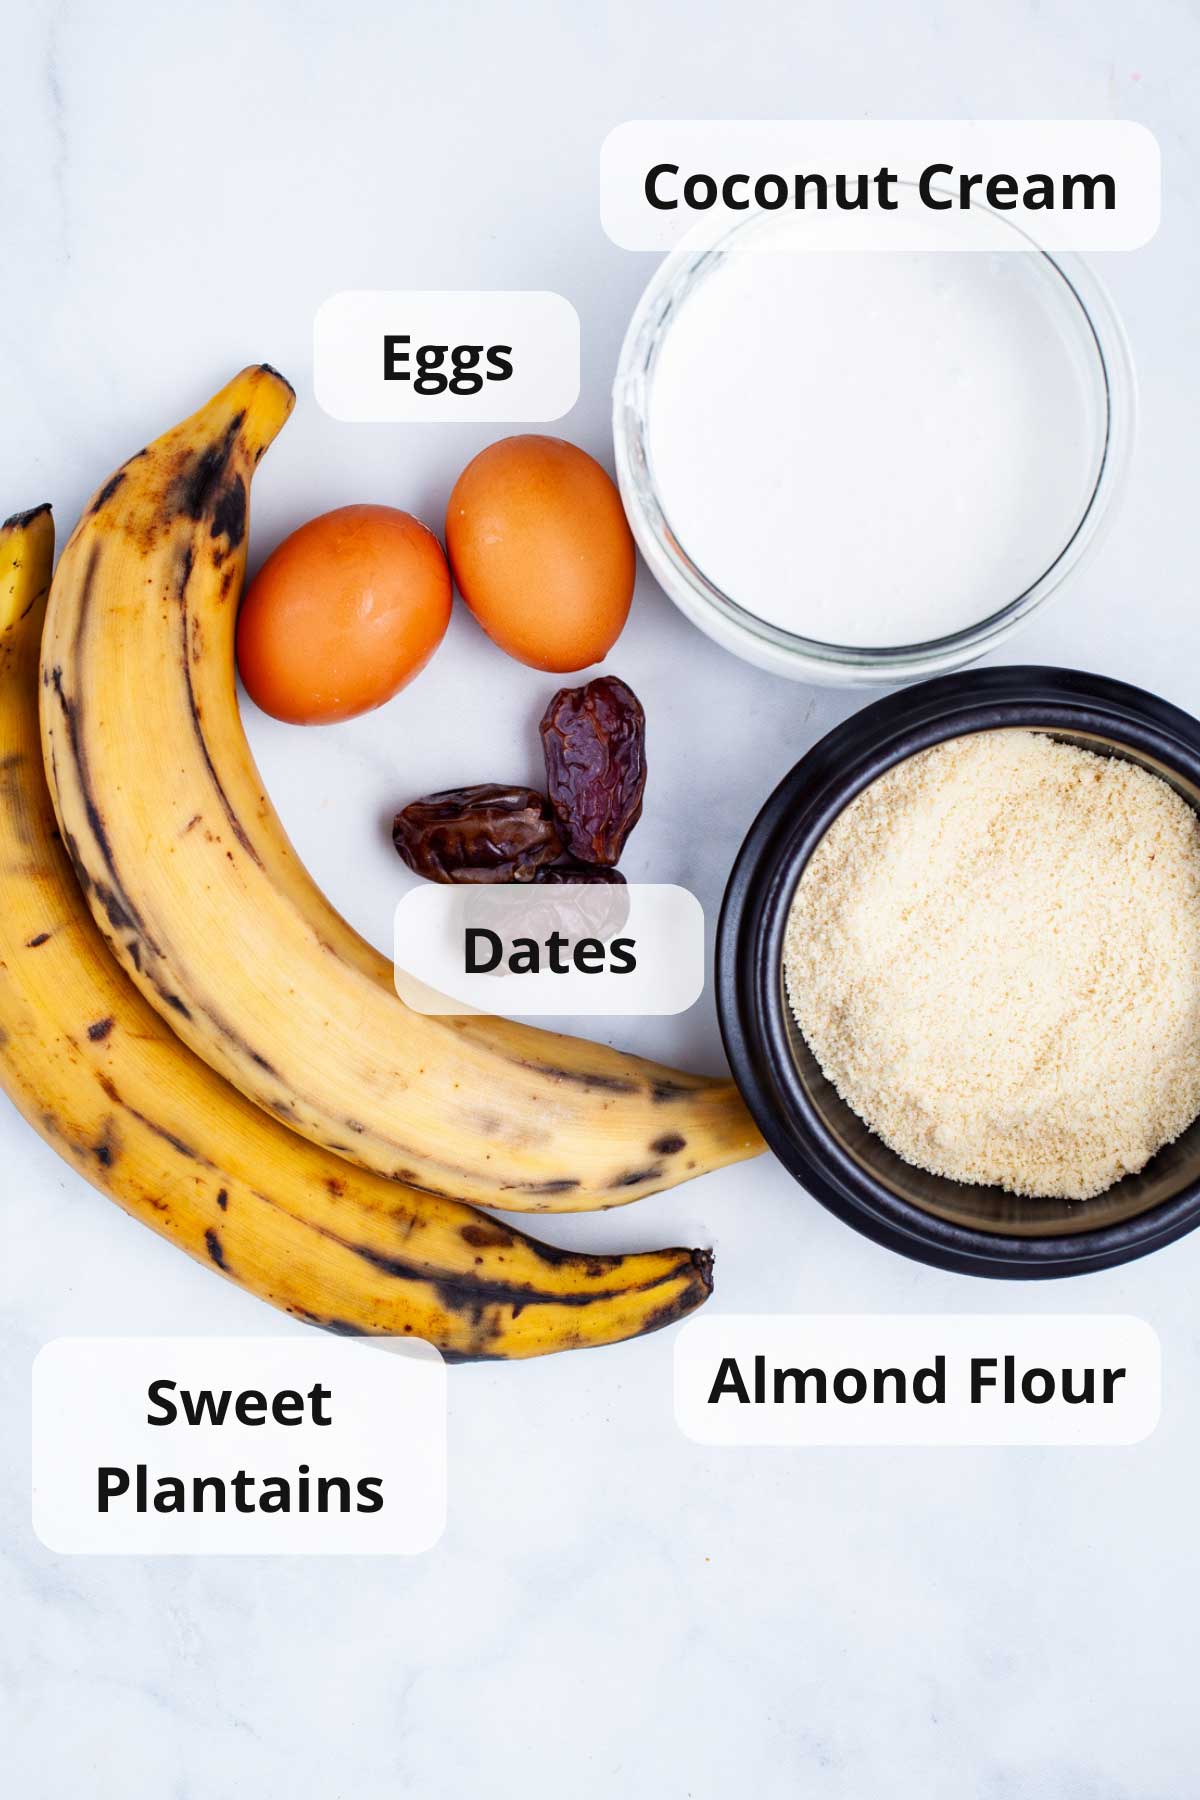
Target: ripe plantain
(98,1074)
(206,904)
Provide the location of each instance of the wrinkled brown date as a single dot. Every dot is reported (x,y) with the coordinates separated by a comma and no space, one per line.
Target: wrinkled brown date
(581,873)
(594,740)
(484,833)
(595,906)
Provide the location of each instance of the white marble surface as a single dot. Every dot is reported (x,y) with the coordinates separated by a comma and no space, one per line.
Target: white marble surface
(612,1610)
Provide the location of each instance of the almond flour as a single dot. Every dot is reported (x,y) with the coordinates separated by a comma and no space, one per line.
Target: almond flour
(994,955)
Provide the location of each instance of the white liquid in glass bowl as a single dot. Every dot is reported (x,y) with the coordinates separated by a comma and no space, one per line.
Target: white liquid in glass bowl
(869,452)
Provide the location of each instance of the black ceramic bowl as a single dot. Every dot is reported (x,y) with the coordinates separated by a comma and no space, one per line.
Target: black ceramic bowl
(980,1230)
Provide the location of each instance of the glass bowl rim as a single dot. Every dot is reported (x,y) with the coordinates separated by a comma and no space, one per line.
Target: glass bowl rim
(716,612)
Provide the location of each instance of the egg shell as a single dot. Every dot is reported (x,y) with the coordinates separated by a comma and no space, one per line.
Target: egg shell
(542,552)
(343,614)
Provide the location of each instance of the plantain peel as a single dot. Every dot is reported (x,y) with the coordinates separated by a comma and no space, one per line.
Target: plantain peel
(191,878)
(99,1075)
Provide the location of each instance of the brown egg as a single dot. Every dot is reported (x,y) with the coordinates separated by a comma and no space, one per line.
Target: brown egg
(343,614)
(542,552)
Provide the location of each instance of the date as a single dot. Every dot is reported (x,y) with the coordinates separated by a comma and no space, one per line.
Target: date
(594,742)
(594,905)
(578,874)
(485,833)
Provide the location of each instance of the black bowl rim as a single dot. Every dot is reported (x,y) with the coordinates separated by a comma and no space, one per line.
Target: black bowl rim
(750,1006)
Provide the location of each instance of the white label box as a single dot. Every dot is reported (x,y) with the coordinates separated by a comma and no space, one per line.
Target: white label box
(158,1446)
(530,950)
(1070,184)
(880,1379)
(417,357)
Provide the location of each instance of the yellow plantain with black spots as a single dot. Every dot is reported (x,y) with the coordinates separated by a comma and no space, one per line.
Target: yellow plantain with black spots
(97,1073)
(205,903)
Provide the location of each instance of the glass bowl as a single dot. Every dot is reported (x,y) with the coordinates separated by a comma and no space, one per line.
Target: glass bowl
(1082,318)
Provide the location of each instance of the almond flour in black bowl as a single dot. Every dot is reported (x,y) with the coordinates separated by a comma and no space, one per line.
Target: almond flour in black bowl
(831,1152)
